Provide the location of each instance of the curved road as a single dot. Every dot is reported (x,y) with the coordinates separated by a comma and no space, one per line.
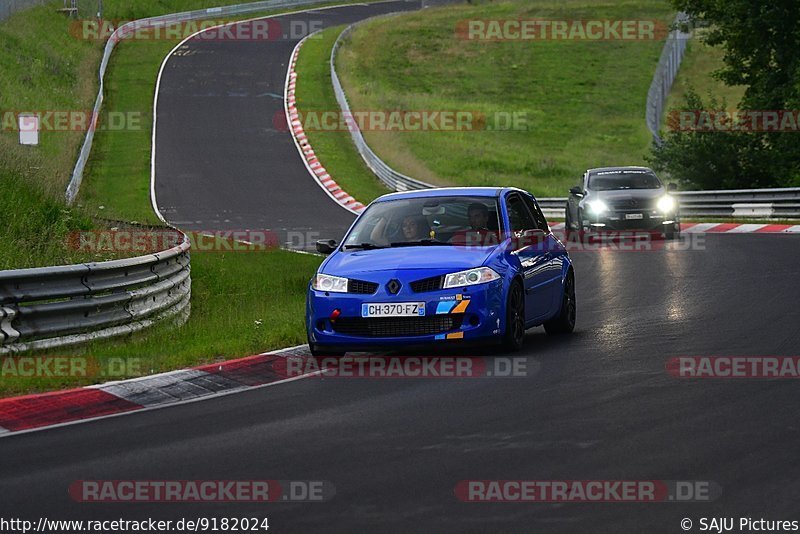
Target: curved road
(597,404)
(221,163)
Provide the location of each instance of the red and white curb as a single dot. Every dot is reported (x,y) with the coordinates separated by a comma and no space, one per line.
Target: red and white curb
(314,165)
(727,228)
(35,412)
(324,179)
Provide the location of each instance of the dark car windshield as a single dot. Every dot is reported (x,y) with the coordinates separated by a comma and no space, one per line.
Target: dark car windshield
(609,180)
(426,221)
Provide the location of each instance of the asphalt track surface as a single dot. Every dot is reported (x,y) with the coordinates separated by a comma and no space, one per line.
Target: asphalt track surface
(595,405)
(224,159)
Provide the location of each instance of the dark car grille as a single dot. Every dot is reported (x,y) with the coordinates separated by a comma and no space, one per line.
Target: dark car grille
(427,284)
(632,204)
(361,287)
(397,326)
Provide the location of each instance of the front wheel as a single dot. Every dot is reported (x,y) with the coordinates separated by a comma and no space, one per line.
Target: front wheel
(672,233)
(568,223)
(514,337)
(564,322)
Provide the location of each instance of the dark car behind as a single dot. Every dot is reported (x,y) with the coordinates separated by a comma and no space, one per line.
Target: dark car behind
(622,199)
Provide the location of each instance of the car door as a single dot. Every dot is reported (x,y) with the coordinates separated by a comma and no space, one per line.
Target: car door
(529,245)
(554,251)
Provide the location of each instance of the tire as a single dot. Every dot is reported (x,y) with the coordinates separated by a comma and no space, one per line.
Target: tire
(568,229)
(514,337)
(581,231)
(564,322)
(672,233)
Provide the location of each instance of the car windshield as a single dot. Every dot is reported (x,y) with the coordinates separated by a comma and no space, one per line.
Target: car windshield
(609,180)
(425,221)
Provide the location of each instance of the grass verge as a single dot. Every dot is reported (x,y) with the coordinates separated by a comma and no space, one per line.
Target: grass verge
(242,303)
(696,72)
(336,149)
(583,101)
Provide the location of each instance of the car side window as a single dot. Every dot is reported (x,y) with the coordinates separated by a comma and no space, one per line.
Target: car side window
(518,216)
(538,216)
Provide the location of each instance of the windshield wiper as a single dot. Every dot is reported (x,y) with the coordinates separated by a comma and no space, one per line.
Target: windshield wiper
(364,246)
(421,242)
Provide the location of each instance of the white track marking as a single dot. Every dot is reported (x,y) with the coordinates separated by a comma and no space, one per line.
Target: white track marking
(700,228)
(169,55)
(169,405)
(745,228)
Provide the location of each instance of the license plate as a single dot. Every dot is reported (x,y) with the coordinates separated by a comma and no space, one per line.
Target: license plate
(394,309)
(630,216)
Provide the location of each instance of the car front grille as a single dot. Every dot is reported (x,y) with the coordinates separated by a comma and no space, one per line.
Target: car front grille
(427,284)
(632,204)
(397,326)
(361,287)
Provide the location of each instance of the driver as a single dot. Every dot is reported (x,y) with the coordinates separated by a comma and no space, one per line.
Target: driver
(412,228)
(479,233)
(478,215)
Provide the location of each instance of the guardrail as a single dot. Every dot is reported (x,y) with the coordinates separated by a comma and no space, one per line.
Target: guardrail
(47,307)
(394,180)
(8,7)
(760,203)
(154,22)
(667,70)
(783,203)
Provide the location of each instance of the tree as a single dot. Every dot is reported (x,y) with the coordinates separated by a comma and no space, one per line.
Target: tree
(761,41)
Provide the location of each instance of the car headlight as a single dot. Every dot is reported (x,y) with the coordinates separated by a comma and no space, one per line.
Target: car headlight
(470,277)
(597,207)
(333,284)
(666,203)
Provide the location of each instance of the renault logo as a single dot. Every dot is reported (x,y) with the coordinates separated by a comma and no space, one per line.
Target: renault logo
(393,286)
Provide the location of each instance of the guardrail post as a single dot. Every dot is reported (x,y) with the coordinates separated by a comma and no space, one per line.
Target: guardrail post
(9,333)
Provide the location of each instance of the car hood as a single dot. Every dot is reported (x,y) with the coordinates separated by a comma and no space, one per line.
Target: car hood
(451,258)
(625,194)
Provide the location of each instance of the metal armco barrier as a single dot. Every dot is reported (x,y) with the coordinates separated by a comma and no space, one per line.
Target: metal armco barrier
(394,180)
(154,22)
(49,307)
(783,203)
(760,203)
(667,70)
(7,7)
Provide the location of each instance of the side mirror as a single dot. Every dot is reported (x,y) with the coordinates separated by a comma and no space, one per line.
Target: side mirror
(672,187)
(577,191)
(326,246)
(529,238)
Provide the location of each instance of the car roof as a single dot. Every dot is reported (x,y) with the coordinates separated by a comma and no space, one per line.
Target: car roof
(621,168)
(447,191)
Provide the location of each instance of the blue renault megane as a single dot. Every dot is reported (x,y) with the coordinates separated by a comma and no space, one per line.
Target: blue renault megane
(441,266)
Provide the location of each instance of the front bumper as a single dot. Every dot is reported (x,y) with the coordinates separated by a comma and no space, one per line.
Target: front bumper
(619,221)
(473,313)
